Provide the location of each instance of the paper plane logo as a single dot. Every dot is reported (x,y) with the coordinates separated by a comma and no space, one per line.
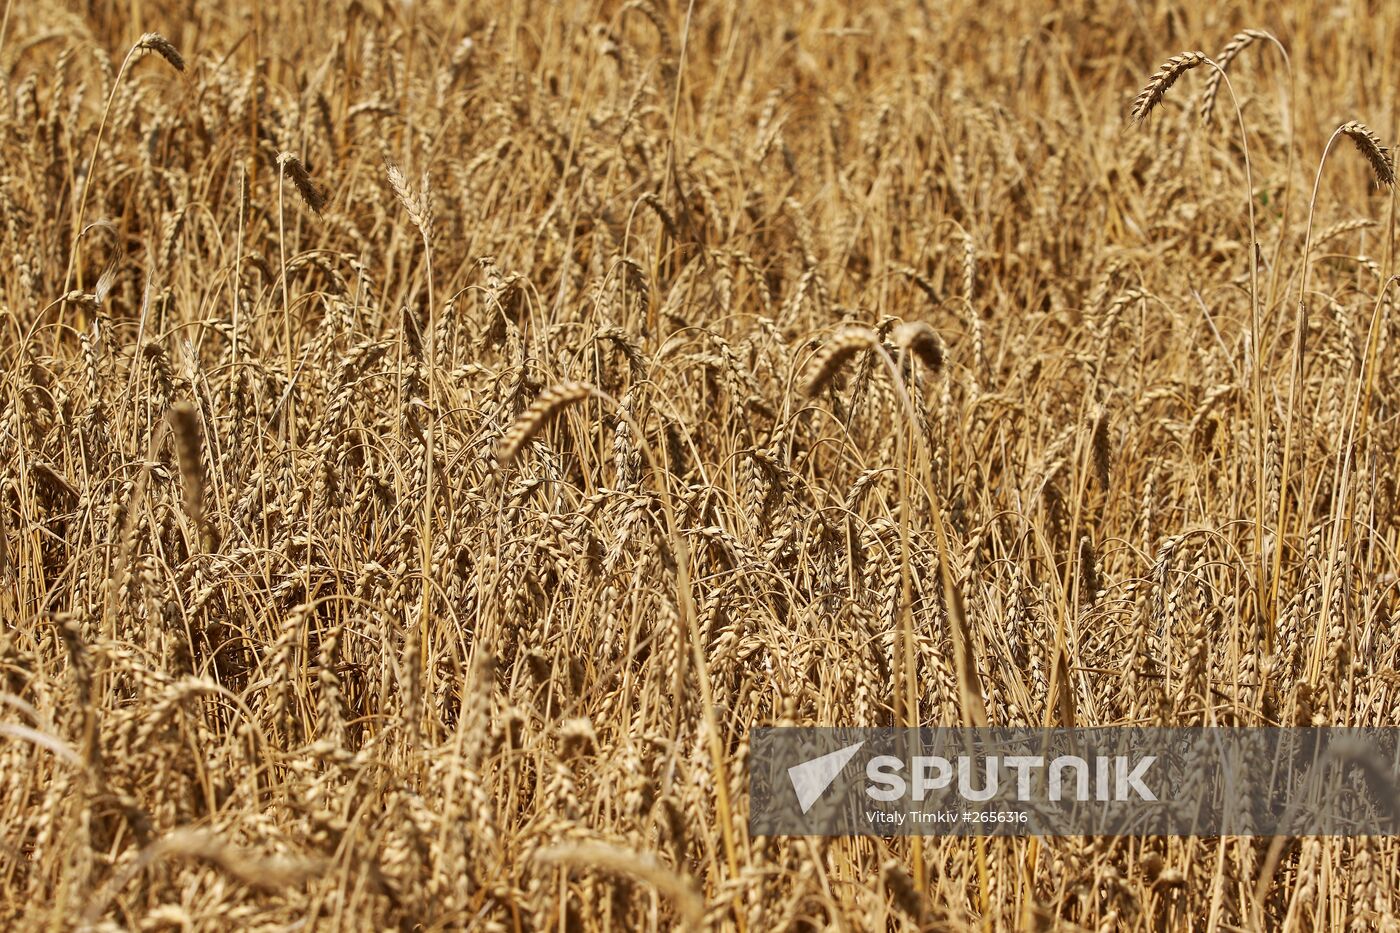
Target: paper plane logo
(811,778)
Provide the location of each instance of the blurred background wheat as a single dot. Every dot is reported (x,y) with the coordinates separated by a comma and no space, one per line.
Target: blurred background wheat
(433,435)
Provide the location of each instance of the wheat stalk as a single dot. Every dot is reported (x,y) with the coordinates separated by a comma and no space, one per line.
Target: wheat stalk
(152,42)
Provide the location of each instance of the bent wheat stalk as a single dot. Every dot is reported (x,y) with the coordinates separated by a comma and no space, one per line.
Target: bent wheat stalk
(1378,156)
(1218,76)
(541,412)
(550,403)
(150,42)
(1369,145)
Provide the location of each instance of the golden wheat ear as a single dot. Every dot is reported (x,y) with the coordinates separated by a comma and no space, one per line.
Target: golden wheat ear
(534,419)
(1158,85)
(1369,145)
(1237,44)
(155,42)
(843,345)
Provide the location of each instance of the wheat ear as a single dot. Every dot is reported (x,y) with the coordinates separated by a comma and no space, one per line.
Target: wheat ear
(843,345)
(313,194)
(155,42)
(1161,82)
(150,42)
(920,339)
(533,420)
(1237,44)
(1370,146)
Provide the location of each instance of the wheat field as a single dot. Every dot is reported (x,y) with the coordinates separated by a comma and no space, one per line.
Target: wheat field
(434,435)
